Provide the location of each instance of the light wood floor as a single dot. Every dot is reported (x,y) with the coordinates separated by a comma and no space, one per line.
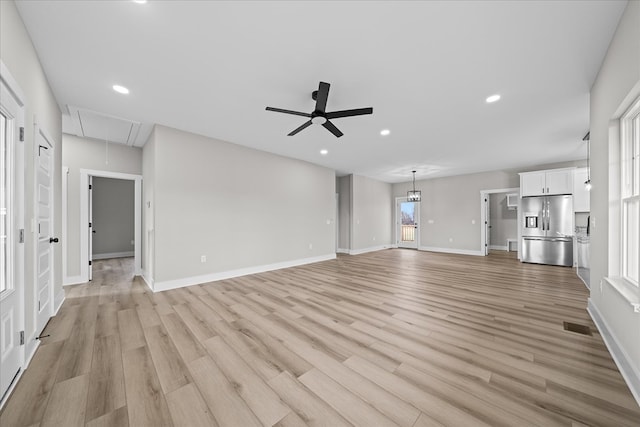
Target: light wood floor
(395,337)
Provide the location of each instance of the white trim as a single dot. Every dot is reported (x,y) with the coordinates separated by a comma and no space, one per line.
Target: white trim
(73,280)
(369,249)
(57,305)
(114,255)
(626,290)
(65,183)
(20,216)
(84,218)
(342,251)
(452,251)
(499,248)
(37,130)
(396,224)
(147,279)
(622,359)
(195,280)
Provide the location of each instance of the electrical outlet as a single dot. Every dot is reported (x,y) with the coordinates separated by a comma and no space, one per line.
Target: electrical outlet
(203,259)
(374,238)
(133,242)
(450,239)
(310,246)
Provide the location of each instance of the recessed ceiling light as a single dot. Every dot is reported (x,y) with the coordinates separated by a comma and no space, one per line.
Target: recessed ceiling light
(493,98)
(140,1)
(385,132)
(121,89)
(324,152)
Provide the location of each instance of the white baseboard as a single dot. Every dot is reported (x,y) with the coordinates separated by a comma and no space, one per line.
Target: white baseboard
(110,255)
(72,280)
(369,249)
(195,280)
(623,361)
(342,251)
(58,300)
(498,248)
(451,251)
(146,277)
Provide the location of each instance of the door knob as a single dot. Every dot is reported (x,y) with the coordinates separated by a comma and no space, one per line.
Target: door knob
(53,240)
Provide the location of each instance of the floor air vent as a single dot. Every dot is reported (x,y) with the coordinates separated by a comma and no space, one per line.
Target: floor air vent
(574,327)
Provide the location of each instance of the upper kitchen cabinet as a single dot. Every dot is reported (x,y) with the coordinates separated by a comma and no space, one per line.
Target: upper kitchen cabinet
(581,196)
(544,183)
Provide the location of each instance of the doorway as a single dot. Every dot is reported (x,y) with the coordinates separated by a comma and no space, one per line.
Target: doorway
(499,220)
(86,223)
(407,223)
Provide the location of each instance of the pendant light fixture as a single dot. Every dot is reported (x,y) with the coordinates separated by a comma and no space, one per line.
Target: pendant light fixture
(414,195)
(587,183)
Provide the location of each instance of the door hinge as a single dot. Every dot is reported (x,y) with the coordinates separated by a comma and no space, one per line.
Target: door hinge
(38,306)
(89,186)
(21,337)
(89,262)
(21,235)
(21,134)
(89,225)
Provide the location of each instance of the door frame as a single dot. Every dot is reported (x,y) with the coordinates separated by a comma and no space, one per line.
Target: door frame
(36,235)
(484,194)
(18,217)
(397,222)
(84,217)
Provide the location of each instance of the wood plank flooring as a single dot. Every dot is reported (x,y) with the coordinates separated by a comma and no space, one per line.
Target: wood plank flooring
(390,338)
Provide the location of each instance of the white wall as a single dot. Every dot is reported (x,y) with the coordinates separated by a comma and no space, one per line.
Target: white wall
(19,56)
(84,153)
(113,217)
(616,85)
(239,207)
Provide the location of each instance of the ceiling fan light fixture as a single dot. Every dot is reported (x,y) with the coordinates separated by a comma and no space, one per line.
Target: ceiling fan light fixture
(414,195)
(319,120)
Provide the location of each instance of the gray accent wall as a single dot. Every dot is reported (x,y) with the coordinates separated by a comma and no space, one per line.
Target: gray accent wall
(83,153)
(344,207)
(371,213)
(238,207)
(113,217)
(450,208)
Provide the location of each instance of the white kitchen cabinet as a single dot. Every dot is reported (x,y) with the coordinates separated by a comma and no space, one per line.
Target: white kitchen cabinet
(581,197)
(544,183)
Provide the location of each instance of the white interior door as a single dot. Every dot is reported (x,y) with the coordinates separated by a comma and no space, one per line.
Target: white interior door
(407,219)
(44,214)
(11,237)
(90,227)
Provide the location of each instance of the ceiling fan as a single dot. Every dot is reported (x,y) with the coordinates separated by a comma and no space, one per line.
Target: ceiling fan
(319,115)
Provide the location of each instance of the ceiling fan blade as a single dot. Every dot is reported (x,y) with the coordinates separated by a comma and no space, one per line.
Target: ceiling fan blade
(331,127)
(321,98)
(280,110)
(304,125)
(349,113)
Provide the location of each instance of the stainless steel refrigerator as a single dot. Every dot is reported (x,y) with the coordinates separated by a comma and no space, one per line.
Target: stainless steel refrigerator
(547,232)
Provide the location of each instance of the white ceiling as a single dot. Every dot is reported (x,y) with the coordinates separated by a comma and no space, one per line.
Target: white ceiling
(211,67)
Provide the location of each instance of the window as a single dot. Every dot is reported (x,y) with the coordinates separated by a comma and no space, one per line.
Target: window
(630,193)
